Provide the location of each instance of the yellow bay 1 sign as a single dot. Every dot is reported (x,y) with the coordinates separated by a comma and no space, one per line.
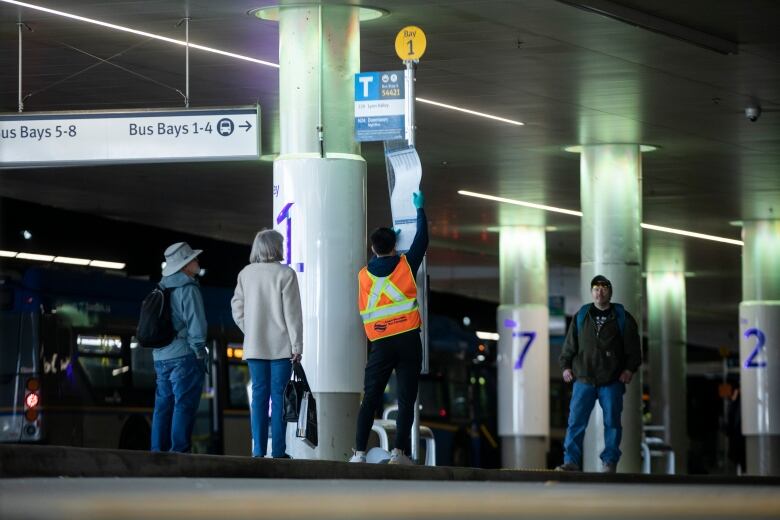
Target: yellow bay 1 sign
(410,43)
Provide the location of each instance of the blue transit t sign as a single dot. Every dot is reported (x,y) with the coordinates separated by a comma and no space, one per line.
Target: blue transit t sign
(379,106)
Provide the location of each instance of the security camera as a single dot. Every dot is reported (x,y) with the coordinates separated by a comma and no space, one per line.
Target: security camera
(753,113)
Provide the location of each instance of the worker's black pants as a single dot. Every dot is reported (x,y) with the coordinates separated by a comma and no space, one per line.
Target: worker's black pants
(403,353)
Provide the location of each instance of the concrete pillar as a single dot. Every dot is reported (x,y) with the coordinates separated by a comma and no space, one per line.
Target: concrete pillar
(611,201)
(667,340)
(759,345)
(320,207)
(523,349)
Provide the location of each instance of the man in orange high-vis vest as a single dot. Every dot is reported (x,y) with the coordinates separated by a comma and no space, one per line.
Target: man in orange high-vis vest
(387,302)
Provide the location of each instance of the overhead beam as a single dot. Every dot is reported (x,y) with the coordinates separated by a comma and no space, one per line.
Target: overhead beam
(656,24)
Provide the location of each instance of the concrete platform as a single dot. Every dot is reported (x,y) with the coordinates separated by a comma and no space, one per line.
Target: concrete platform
(238,499)
(24,461)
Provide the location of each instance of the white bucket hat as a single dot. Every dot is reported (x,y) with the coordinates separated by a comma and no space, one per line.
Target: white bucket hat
(177,256)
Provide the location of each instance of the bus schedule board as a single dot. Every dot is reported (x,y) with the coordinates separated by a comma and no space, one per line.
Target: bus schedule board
(129,136)
(379,106)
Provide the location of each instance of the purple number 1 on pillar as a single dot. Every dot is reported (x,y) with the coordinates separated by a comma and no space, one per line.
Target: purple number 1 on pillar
(285,215)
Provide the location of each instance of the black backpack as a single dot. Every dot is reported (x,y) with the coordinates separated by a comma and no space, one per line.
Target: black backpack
(155,325)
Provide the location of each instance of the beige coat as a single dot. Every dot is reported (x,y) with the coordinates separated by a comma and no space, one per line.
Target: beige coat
(267,308)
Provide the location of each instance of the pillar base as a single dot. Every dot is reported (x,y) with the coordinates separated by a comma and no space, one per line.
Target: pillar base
(762,454)
(336,421)
(524,452)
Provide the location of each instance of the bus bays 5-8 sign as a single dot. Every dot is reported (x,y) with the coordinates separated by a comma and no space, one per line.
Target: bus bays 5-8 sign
(71,138)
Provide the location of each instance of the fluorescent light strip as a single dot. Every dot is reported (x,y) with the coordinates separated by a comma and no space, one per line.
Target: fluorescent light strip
(488,335)
(692,234)
(106,265)
(521,203)
(140,33)
(467,111)
(228,54)
(34,256)
(579,214)
(70,260)
(62,259)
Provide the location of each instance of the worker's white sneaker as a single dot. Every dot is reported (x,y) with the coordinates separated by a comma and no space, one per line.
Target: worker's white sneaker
(358,456)
(398,457)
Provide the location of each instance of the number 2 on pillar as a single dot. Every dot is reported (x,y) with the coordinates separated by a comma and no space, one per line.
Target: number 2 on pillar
(751,361)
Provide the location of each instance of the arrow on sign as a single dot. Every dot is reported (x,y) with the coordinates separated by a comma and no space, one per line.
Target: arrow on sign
(247,126)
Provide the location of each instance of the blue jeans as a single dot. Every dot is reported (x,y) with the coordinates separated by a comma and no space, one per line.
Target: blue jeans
(583,399)
(269,377)
(179,385)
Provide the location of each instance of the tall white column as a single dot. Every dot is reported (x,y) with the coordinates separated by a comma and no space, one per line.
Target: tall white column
(759,345)
(667,340)
(523,349)
(320,207)
(611,201)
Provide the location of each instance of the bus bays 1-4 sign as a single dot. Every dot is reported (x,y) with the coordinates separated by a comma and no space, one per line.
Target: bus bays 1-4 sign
(70,138)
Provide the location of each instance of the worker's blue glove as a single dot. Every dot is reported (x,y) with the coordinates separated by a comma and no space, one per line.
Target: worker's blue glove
(418,199)
(397,231)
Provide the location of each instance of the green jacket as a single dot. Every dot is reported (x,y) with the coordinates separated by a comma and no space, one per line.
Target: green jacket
(598,359)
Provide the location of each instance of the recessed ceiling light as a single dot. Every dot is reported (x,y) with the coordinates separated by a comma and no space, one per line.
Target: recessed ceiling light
(652,227)
(642,147)
(271,12)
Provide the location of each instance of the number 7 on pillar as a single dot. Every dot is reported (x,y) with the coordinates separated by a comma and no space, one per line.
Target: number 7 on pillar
(530,337)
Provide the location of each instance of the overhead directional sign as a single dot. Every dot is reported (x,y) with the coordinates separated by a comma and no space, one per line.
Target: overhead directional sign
(72,138)
(379,106)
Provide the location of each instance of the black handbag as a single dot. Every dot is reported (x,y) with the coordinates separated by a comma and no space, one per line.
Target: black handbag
(293,393)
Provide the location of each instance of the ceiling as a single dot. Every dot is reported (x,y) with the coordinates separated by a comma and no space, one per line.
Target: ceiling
(571,75)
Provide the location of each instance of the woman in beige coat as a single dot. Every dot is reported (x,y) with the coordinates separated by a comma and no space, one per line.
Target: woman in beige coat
(267,308)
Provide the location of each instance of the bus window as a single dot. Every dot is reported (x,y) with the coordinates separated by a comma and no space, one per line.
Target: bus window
(459,404)
(432,399)
(141,366)
(111,345)
(10,398)
(238,377)
(100,358)
(6,297)
(9,344)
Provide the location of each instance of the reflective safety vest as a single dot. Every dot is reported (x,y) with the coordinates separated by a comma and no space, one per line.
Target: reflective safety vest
(388,304)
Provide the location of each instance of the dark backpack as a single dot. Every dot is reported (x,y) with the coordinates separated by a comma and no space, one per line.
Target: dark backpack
(155,325)
(620,313)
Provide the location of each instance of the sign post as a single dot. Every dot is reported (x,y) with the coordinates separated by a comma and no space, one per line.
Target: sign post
(410,45)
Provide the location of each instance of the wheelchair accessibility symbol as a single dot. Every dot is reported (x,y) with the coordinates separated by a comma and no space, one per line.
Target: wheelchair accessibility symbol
(225,127)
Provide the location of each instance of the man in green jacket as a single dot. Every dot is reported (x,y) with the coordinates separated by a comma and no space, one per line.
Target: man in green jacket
(601,354)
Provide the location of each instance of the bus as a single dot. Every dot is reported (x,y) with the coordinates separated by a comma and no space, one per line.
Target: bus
(72,373)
